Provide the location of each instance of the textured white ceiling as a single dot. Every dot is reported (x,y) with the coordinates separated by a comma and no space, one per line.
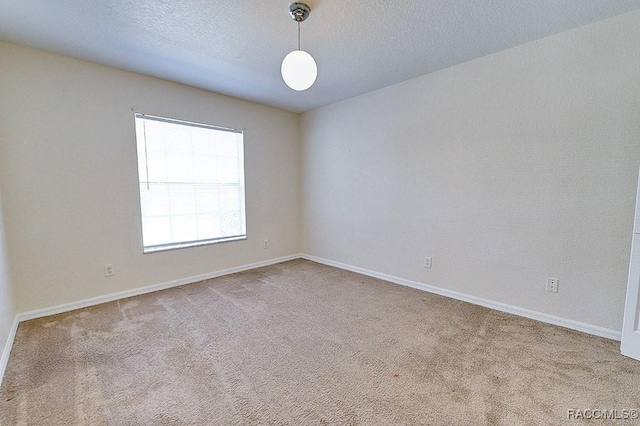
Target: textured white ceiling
(236,47)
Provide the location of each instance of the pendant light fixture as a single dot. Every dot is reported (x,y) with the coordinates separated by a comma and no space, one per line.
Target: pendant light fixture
(299,69)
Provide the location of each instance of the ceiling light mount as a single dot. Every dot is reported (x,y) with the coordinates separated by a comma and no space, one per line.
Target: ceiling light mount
(299,11)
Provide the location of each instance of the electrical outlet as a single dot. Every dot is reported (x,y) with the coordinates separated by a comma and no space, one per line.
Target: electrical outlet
(427,262)
(552,285)
(108,270)
(265,244)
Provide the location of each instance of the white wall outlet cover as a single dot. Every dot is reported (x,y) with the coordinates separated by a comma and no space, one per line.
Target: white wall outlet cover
(108,270)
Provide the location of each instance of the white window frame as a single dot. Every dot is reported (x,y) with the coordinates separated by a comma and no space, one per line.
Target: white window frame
(145,182)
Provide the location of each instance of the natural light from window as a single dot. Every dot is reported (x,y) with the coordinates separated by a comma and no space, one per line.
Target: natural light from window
(191,180)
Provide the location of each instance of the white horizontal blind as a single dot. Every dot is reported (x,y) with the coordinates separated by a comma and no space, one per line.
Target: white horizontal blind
(191,183)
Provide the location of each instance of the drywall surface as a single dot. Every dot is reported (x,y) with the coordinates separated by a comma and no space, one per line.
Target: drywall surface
(69,177)
(506,170)
(6,298)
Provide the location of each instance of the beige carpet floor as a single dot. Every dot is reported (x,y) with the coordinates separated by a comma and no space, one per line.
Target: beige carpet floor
(305,344)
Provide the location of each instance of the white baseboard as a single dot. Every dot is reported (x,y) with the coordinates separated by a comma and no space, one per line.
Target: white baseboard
(503,307)
(539,316)
(4,360)
(53,310)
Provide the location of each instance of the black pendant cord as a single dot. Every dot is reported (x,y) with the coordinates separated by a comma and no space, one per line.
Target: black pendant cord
(298,35)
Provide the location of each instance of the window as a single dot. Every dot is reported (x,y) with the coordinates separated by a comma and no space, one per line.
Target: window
(191,183)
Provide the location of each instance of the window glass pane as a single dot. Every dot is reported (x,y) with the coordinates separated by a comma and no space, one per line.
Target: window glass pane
(207,199)
(184,228)
(204,168)
(156,166)
(208,226)
(179,167)
(202,142)
(142,154)
(227,168)
(229,223)
(191,182)
(156,230)
(177,140)
(227,145)
(182,199)
(229,198)
(154,200)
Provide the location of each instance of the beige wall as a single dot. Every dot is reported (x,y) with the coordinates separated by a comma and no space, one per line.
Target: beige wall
(506,170)
(69,179)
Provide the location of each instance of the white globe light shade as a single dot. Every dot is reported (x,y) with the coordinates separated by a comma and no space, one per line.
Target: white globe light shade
(299,70)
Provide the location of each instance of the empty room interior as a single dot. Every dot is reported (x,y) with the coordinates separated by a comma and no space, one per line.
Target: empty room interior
(437,231)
